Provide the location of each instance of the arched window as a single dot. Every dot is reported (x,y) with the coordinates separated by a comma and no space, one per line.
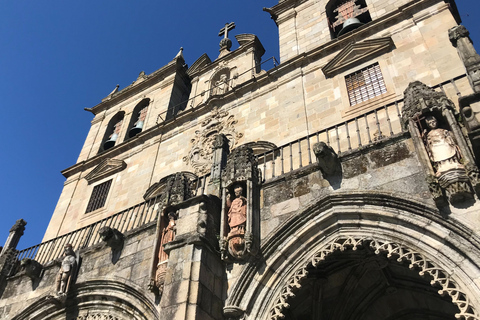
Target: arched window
(137,120)
(112,133)
(346,15)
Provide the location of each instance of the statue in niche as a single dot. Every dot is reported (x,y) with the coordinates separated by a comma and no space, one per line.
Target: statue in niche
(237,218)
(66,272)
(441,148)
(221,85)
(168,235)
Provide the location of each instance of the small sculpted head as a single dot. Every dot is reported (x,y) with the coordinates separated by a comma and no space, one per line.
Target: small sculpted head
(431,122)
(68,250)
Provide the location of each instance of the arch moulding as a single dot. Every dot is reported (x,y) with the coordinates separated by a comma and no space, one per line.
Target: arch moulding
(402,228)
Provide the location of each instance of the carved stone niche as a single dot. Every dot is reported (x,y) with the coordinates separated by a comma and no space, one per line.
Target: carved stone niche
(240,225)
(441,146)
(169,191)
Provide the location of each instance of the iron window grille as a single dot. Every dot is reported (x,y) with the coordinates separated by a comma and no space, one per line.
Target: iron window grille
(365,84)
(99,196)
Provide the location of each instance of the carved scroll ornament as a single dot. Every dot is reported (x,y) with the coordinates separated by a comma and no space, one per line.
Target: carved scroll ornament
(200,156)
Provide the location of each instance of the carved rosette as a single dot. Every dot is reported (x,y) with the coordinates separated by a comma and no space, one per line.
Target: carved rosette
(441,147)
(239,231)
(200,156)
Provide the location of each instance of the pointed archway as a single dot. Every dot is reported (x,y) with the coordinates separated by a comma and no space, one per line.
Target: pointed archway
(386,233)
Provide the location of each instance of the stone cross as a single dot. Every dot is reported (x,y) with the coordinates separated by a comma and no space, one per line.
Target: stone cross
(224,31)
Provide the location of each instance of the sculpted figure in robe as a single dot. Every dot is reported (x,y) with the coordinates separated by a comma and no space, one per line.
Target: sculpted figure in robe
(168,235)
(441,148)
(64,276)
(237,218)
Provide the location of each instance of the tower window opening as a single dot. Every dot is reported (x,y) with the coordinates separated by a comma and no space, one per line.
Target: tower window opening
(99,196)
(112,133)
(365,84)
(137,121)
(345,16)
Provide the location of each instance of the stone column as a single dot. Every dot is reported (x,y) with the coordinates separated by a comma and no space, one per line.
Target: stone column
(16,232)
(459,37)
(220,153)
(195,280)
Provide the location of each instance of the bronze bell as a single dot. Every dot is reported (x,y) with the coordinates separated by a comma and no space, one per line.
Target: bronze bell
(110,142)
(349,25)
(136,129)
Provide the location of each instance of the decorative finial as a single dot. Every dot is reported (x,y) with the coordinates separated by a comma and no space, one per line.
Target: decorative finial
(180,54)
(226,43)
(115,90)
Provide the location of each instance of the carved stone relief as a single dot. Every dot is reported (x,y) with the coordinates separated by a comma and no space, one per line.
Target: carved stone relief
(200,156)
(66,274)
(441,146)
(239,231)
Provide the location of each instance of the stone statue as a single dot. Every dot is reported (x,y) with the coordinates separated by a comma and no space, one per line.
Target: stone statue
(168,235)
(66,272)
(237,218)
(441,148)
(221,85)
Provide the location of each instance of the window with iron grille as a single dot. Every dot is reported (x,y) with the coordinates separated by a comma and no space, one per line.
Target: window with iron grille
(365,84)
(99,196)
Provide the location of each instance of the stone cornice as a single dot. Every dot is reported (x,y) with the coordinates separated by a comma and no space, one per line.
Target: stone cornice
(282,7)
(177,64)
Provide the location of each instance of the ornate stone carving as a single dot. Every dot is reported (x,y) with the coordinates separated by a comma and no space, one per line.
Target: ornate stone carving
(114,239)
(401,253)
(459,37)
(441,146)
(239,231)
(173,189)
(201,154)
(97,316)
(327,158)
(67,272)
(32,268)
(167,235)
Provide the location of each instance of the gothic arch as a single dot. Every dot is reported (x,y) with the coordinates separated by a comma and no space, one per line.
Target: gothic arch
(402,228)
(96,299)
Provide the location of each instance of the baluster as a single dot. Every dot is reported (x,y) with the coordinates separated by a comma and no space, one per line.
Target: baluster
(338,139)
(204,184)
(291,156)
(368,129)
(318,139)
(281,159)
(309,150)
(441,88)
(380,135)
(455,87)
(399,115)
(328,137)
(300,151)
(348,136)
(388,121)
(273,164)
(264,166)
(358,133)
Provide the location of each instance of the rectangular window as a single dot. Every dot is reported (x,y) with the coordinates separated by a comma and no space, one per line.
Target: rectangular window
(99,196)
(365,84)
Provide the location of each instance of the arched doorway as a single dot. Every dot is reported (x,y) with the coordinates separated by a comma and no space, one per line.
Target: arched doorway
(361,284)
(374,256)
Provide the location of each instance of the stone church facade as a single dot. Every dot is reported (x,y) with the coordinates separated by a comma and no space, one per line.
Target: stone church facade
(341,183)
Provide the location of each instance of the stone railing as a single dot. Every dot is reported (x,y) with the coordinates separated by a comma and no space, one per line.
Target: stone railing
(355,133)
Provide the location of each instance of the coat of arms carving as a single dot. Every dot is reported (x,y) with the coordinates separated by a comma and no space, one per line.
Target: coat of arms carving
(200,155)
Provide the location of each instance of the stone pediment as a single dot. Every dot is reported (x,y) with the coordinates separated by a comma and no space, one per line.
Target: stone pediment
(356,53)
(106,168)
(199,64)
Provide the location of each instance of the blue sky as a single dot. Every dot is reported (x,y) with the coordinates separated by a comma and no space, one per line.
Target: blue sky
(59,57)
